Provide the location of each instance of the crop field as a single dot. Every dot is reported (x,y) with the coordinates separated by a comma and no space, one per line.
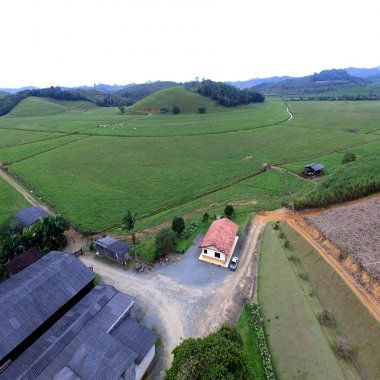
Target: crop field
(10,201)
(355,230)
(352,320)
(288,315)
(91,164)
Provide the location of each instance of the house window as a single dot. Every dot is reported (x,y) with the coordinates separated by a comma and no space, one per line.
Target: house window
(205,251)
(217,255)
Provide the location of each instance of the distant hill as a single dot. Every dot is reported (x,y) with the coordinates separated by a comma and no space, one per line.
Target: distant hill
(35,106)
(134,93)
(363,73)
(186,100)
(258,81)
(16,90)
(336,82)
(3,94)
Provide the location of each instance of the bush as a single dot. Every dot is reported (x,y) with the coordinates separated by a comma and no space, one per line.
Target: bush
(276,226)
(326,318)
(282,235)
(303,276)
(146,249)
(229,211)
(293,258)
(165,241)
(348,157)
(164,110)
(206,217)
(342,348)
(286,243)
(178,225)
(202,110)
(176,110)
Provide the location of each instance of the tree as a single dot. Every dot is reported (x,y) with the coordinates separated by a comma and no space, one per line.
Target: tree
(121,109)
(206,217)
(176,110)
(128,223)
(202,110)
(165,241)
(229,211)
(178,225)
(217,356)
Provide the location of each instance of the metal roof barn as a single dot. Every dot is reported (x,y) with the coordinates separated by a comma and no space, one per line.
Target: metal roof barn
(32,299)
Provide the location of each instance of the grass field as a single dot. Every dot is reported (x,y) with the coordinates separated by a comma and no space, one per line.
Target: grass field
(352,319)
(92,164)
(299,348)
(10,201)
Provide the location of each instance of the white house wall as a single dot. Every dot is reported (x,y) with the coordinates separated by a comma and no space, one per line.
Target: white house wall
(143,366)
(211,253)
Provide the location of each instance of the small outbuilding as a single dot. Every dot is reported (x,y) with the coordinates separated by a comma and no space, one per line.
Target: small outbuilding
(30,215)
(314,169)
(114,249)
(22,261)
(219,242)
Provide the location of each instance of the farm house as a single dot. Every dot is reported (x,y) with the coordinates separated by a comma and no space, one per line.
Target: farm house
(114,249)
(219,242)
(314,169)
(30,215)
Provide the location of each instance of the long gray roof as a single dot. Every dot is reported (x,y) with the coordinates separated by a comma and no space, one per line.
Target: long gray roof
(78,346)
(29,215)
(113,244)
(32,296)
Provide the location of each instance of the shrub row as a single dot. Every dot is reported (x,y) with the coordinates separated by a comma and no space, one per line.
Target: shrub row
(263,348)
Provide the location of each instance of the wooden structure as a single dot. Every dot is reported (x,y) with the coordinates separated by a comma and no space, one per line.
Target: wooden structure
(114,249)
(315,168)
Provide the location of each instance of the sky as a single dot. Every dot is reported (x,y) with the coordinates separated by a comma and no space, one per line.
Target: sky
(83,42)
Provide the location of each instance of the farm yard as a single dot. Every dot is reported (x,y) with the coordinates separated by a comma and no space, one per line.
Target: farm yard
(91,164)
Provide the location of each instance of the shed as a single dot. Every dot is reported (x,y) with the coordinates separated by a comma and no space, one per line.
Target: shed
(30,215)
(114,249)
(23,261)
(314,168)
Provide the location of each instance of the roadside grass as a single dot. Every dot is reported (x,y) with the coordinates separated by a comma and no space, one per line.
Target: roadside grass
(353,321)
(251,344)
(295,338)
(11,201)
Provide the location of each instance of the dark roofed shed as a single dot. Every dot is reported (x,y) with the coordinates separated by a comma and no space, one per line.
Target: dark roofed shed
(113,248)
(22,261)
(314,168)
(30,215)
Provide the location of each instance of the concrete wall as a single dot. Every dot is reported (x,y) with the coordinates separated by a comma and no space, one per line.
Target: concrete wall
(143,366)
(211,253)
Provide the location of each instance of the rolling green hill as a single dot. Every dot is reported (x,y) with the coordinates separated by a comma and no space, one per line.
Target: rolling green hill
(3,94)
(186,100)
(33,106)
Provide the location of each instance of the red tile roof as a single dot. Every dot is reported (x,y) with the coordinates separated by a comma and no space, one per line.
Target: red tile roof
(221,235)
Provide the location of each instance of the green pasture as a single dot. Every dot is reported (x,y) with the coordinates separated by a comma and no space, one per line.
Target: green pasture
(298,346)
(353,321)
(10,201)
(102,162)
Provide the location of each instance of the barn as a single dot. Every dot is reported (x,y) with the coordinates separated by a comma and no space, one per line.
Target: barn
(114,249)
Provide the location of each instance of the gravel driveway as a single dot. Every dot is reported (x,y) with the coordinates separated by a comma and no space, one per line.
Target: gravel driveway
(183,297)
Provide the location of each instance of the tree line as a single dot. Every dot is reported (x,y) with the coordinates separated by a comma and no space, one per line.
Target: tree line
(224,94)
